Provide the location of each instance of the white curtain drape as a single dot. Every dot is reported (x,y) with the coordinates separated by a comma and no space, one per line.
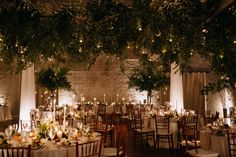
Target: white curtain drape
(176,88)
(193,83)
(27,98)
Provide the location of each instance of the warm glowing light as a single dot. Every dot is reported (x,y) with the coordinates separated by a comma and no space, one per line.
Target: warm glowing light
(158,34)
(98,46)
(66,97)
(204,31)
(164,51)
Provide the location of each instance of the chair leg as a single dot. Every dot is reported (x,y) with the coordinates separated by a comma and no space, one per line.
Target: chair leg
(169,142)
(153,137)
(135,138)
(172,142)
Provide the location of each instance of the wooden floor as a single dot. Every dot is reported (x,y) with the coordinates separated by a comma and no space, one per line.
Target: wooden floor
(142,150)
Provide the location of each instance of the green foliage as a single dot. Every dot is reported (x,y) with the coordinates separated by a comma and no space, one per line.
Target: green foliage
(54,79)
(172,30)
(148,77)
(216,86)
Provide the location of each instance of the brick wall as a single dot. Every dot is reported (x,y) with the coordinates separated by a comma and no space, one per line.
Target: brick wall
(97,81)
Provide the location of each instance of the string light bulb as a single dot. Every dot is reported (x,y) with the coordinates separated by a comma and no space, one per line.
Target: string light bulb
(204,31)
(164,51)
(143,51)
(139,25)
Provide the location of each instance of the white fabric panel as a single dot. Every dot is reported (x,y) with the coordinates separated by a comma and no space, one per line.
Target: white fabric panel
(176,88)
(27,98)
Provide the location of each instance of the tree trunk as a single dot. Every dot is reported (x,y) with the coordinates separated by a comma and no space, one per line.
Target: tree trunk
(149,97)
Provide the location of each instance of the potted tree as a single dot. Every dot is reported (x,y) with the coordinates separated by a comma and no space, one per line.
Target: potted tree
(148,77)
(53,79)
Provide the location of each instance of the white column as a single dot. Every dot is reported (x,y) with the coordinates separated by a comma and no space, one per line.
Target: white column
(176,88)
(27,98)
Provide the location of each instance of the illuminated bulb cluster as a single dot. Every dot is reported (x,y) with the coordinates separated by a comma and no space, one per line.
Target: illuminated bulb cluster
(224,78)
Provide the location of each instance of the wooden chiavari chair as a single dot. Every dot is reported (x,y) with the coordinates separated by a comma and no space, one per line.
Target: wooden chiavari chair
(10,151)
(139,132)
(231,137)
(119,150)
(89,149)
(91,120)
(163,132)
(190,137)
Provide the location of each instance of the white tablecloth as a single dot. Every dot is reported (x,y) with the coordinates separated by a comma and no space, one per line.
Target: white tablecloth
(50,149)
(215,143)
(149,122)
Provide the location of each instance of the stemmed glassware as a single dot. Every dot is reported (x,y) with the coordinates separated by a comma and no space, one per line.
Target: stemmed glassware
(80,125)
(86,129)
(51,134)
(8,131)
(25,126)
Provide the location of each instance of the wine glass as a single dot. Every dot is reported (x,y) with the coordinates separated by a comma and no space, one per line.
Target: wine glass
(15,127)
(72,132)
(86,130)
(51,134)
(8,131)
(25,126)
(80,125)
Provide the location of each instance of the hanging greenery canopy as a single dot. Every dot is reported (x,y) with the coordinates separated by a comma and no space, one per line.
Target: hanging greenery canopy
(79,33)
